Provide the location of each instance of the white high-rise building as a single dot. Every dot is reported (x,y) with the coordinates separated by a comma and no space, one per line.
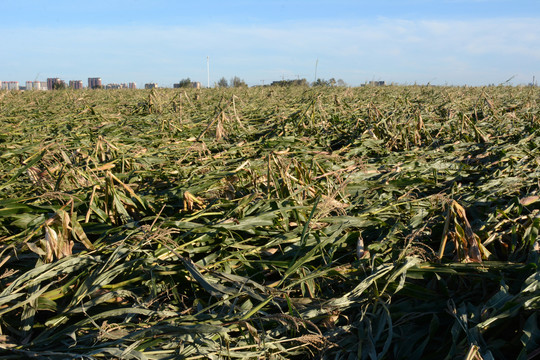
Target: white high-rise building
(10,85)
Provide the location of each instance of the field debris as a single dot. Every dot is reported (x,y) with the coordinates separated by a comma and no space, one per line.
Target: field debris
(285,222)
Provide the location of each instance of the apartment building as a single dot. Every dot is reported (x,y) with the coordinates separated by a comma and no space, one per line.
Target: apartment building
(10,85)
(94,83)
(76,84)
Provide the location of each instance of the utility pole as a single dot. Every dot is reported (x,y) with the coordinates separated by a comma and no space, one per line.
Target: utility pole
(208,69)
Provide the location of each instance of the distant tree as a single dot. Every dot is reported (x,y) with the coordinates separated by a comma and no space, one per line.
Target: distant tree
(340,82)
(222,83)
(321,82)
(237,82)
(59,85)
(332,82)
(301,82)
(184,83)
(298,82)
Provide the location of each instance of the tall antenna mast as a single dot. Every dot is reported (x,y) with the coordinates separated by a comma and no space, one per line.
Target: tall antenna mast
(316,64)
(208,69)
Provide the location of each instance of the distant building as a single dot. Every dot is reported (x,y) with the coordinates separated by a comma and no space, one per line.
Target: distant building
(377,83)
(10,85)
(94,83)
(51,82)
(151,86)
(76,84)
(116,86)
(132,85)
(196,85)
(36,85)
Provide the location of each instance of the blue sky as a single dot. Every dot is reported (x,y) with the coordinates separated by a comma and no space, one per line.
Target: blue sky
(455,42)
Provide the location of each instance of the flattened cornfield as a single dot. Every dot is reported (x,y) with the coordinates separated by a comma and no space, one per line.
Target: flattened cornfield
(275,223)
